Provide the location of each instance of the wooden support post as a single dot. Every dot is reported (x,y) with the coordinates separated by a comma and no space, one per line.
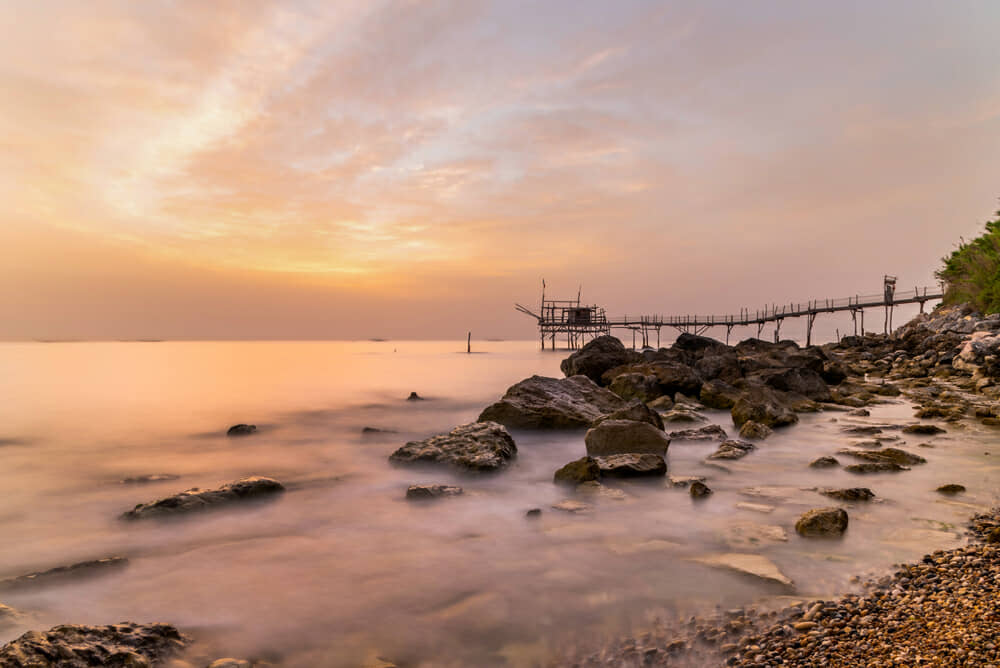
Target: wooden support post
(809,328)
(862,322)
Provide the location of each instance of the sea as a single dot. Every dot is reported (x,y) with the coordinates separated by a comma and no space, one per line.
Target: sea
(342,569)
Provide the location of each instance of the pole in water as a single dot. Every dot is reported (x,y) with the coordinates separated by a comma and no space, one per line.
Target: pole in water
(469,344)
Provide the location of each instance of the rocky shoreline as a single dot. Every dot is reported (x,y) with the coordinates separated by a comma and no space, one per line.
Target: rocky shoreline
(628,407)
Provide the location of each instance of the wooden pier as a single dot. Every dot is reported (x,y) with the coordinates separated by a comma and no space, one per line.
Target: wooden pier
(580,323)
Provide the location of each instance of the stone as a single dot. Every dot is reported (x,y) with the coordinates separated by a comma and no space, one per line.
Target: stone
(732,449)
(762,404)
(749,564)
(895,455)
(616,437)
(755,507)
(368,431)
(755,430)
(580,470)
(849,494)
(192,500)
(635,410)
(699,490)
(951,488)
(533,513)
(230,663)
(800,380)
(414,397)
(718,393)
(684,480)
(571,506)
(597,357)
(634,386)
(710,432)
(824,463)
(822,522)
(631,465)
(875,467)
(241,430)
(859,412)
(923,429)
(428,492)
(127,645)
(552,403)
(663,403)
(61,574)
(480,447)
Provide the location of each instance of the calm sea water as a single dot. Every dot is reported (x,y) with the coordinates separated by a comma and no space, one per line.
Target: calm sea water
(341,568)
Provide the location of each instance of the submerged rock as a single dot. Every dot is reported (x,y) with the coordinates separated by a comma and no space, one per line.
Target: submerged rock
(617,437)
(711,432)
(951,488)
(192,500)
(152,477)
(598,356)
(76,646)
(895,455)
(749,564)
(631,465)
(580,470)
(241,430)
(849,494)
(552,403)
(822,522)
(755,430)
(533,513)
(428,492)
(923,429)
(824,463)
(84,569)
(733,449)
(229,662)
(571,506)
(9,616)
(685,480)
(479,446)
(699,490)
(875,467)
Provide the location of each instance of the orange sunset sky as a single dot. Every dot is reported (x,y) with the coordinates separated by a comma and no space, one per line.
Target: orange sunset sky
(256,169)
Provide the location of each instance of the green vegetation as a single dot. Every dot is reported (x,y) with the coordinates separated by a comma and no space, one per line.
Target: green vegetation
(972,272)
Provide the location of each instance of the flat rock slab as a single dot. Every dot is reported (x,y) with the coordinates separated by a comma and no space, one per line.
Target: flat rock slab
(748,564)
(755,507)
(194,500)
(477,447)
(619,437)
(571,506)
(733,449)
(84,569)
(850,494)
(631,465)
(711,432)
(923,429)
(540,402)
(685,480)
(637,411)
(894,455)
(77,646)
(429,492)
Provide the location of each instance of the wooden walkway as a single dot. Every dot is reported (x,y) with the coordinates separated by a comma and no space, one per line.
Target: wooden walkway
(579,323)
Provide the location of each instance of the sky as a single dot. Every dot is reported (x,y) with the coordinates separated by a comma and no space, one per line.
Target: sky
(251,169)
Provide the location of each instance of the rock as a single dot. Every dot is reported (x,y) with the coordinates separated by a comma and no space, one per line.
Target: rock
(923,429)
(533,513)
(803,381)
(593,488)
(663,403)
(682,415)
(634,386)
(152,477)
(859,412)
(552,403)
(894,455)
(245,489)
(755,507)
(571,506)
(862,430)
(635,410)
(597,357)
(849,494)
(749,564)
(755,430)
(674,377)
(578,471)
(414,397)
(875,467)
(617,437)
(367,431)
(711,432)
(480,447)
(822,522)
(699,490)
(824,463)
(427,492)
(732,449)
(631,465)
(951,488)
(230,663)
(762,404)
(685,480)
(241,430)
(126,645)
(718,394)
(61,574)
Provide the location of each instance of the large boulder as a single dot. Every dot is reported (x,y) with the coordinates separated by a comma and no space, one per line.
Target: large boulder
(601,354)
(193,500)
(617,437)
(762,404)
(699,346)
(635,410)
(718,394)
(802,381)
(479,447)
(635,386)
(822,522)
(540,402)
(720,365)
(77,646)
(631,465)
